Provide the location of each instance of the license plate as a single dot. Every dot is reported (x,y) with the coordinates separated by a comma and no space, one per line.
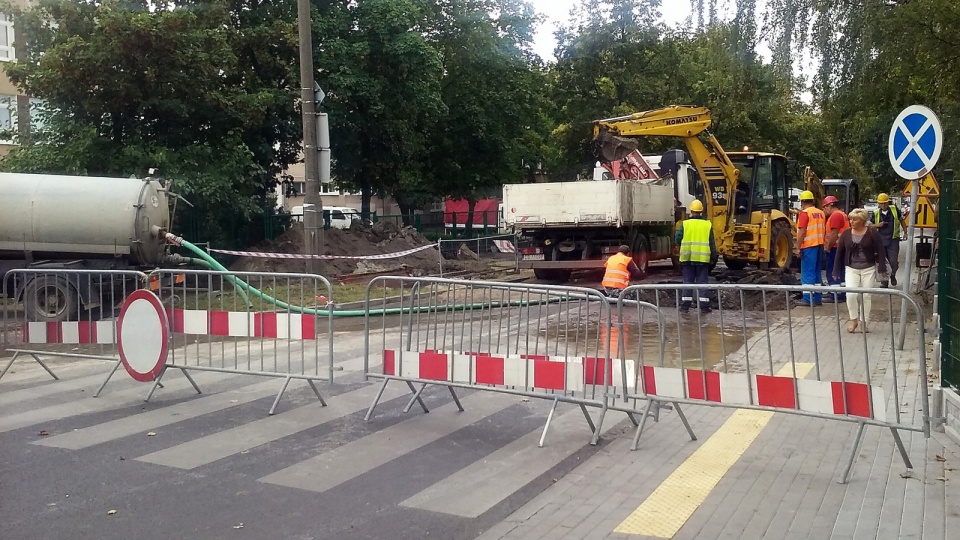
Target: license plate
(533,257)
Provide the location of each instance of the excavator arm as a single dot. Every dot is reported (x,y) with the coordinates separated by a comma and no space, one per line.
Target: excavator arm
(613,139)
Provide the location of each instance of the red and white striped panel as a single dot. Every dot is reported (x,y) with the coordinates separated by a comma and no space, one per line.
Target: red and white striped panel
(78,332)
(183,321)
(824,397)
(523,371)
(505,246)
(243,324)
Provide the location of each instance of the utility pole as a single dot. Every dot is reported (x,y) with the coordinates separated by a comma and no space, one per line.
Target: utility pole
(312,205)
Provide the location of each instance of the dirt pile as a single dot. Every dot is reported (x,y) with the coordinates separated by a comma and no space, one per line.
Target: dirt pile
(358,241)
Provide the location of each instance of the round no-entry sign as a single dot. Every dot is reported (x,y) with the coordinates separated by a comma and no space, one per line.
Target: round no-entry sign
(143,335)
(916,140)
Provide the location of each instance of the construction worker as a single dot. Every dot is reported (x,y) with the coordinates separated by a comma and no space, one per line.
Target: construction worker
(697,249)
(619,268)
(837,222)
(889,223)
(811,231)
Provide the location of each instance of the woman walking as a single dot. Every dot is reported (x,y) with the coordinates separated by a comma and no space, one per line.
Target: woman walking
(860,257)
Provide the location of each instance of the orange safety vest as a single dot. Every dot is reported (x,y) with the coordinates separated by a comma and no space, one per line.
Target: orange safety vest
(617,275)
(816,228)
(846,222)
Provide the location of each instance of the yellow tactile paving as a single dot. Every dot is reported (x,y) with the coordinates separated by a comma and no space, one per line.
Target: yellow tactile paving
(675,500)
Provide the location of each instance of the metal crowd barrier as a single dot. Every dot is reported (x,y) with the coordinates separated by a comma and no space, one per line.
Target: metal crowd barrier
(537,341)
(502,247)
(264,324)
(65,313)
(219,321)
(802,362)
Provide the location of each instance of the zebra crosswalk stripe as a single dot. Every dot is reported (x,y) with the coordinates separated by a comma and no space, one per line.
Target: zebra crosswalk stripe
(330,469)
(223,444)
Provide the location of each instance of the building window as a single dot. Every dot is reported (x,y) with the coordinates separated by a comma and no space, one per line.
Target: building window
(7,52)
(38,115)
(8,118)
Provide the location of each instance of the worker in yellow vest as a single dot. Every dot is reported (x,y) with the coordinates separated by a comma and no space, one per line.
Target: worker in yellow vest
(697,248)
(811,233)
(619,268)
(889,223)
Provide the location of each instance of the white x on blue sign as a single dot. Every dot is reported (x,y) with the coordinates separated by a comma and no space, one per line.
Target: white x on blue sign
(916,140)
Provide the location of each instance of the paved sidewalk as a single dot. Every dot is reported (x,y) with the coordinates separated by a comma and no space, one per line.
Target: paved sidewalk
(785,485)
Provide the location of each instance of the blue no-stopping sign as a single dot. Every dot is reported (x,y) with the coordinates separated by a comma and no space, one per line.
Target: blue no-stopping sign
(916,140)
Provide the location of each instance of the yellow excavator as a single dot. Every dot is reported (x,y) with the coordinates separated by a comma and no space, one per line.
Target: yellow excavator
(745,194)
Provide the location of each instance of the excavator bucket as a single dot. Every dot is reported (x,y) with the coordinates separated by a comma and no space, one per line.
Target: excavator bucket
(611,148)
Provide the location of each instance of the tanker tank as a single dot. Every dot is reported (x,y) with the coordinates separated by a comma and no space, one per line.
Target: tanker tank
(62,239)
(51,217)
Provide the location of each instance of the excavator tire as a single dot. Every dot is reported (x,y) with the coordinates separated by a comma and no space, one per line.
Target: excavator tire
(781,246)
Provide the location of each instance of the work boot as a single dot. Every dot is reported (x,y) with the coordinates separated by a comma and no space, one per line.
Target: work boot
(893,280)
(884,284)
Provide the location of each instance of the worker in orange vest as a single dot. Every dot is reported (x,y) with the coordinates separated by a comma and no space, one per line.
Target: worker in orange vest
(620,267)
(811,233)
(837,222)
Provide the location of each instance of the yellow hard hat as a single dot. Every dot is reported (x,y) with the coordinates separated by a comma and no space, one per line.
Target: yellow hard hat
(883,198)
(806,196)
(696,206)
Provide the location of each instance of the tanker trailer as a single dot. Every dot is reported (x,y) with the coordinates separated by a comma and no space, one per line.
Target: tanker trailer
(76,222)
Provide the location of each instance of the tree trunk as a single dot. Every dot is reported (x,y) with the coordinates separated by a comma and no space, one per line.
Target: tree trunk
(468,227)
(406,213)
(366,194)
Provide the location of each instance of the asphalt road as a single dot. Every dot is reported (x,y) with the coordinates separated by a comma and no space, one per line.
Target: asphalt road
(216,466)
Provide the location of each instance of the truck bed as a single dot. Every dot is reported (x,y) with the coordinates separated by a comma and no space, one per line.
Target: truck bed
(596,203)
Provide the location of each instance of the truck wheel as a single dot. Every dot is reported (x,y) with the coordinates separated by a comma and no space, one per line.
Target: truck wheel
(641,254)
(544,274)
(781,246)
(734,264)
(50,299)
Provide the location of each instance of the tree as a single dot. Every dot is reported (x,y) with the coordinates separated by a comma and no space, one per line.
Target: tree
(491,89)
(383,82)
(201,91)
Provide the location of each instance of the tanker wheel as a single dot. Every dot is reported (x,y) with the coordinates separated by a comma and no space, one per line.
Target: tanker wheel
(50,299)
(734,264)
(781,246)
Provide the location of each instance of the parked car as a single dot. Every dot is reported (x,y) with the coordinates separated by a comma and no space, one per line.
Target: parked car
(341,217)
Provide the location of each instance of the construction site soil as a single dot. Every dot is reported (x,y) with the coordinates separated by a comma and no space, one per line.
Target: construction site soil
(382,238)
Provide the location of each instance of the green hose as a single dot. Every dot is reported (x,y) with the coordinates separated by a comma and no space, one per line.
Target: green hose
(241,286)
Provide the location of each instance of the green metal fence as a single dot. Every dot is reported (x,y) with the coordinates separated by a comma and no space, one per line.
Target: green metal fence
(949,278)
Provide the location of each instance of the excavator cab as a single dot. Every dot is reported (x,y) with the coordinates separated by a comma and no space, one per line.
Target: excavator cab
(762,184)
(846,190)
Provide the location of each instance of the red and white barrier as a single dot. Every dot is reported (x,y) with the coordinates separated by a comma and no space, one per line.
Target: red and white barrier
(520,371)
(78,332)
(182,321)
(265,255)
(505,246)
(822,397)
